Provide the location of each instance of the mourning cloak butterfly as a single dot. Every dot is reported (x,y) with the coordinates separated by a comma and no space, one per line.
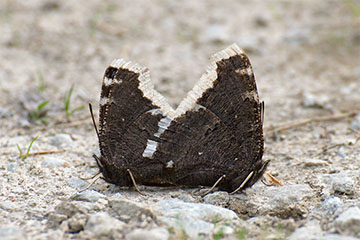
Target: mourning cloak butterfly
(215,133)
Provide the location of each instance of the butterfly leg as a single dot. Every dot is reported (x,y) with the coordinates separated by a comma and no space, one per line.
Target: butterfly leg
(88,178)
(96,177)
(243,183)
(134,183)
(212,188)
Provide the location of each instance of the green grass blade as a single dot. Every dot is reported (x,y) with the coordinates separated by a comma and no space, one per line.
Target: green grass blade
(76,110)
(44,119)
(241,234)
(354,7)
(42,105)
(41,81)
(33,115)
(67,99)
(28,150)
(21,154)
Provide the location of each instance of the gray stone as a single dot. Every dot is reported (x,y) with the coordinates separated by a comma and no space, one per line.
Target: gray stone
(311,230)
(312,101)
(297,35)
(355,124)
(193,227)
(11,167)
(348,223)
(22,141)
(217,198)
(186,197)
(77,183)
(341,152)
(305,233)
(225,230)
(329,206)
(88,196)
(24,123)
(63,211)
(117,196)
(11,233)
(8,206)
(77,223)
(195,219)
(61,140)
(102,225)
(334,236)
(132,209)
(216,33)
(282,201)
(66,208)
(52,162)
(155,234)
(249,43)
(340,183)
(54,219)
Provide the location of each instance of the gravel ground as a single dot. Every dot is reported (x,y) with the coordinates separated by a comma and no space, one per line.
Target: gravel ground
(305,55)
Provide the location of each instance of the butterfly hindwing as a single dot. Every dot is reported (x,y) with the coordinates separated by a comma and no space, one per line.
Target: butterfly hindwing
(127,121)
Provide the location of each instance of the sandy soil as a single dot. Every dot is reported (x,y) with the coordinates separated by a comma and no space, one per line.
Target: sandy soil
(305,55)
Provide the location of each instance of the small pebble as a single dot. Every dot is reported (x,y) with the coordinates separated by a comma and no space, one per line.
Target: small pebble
(329,206)
(52,162)
(340,183)
(355,124)
(102,225)
(8,205)
(88,196)
(216,33)
(61,140)
(219,198)
(154,234)
(282,201)
(11,233)
(348,223)
(195,219)
(77,183)
(129,208)
(11,167)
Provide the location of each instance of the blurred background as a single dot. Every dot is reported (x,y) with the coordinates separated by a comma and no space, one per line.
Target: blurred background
(304,53)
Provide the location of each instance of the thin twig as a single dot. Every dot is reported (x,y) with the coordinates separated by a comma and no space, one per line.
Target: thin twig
(289,125)
(65,125)
(46,152)
(328,148)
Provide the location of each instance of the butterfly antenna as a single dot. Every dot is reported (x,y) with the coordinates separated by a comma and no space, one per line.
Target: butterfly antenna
(262,112)
(93,120)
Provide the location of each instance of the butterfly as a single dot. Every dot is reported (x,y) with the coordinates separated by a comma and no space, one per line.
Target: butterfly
(214,136)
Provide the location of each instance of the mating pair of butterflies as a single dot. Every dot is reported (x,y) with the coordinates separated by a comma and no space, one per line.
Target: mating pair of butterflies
(216,132)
